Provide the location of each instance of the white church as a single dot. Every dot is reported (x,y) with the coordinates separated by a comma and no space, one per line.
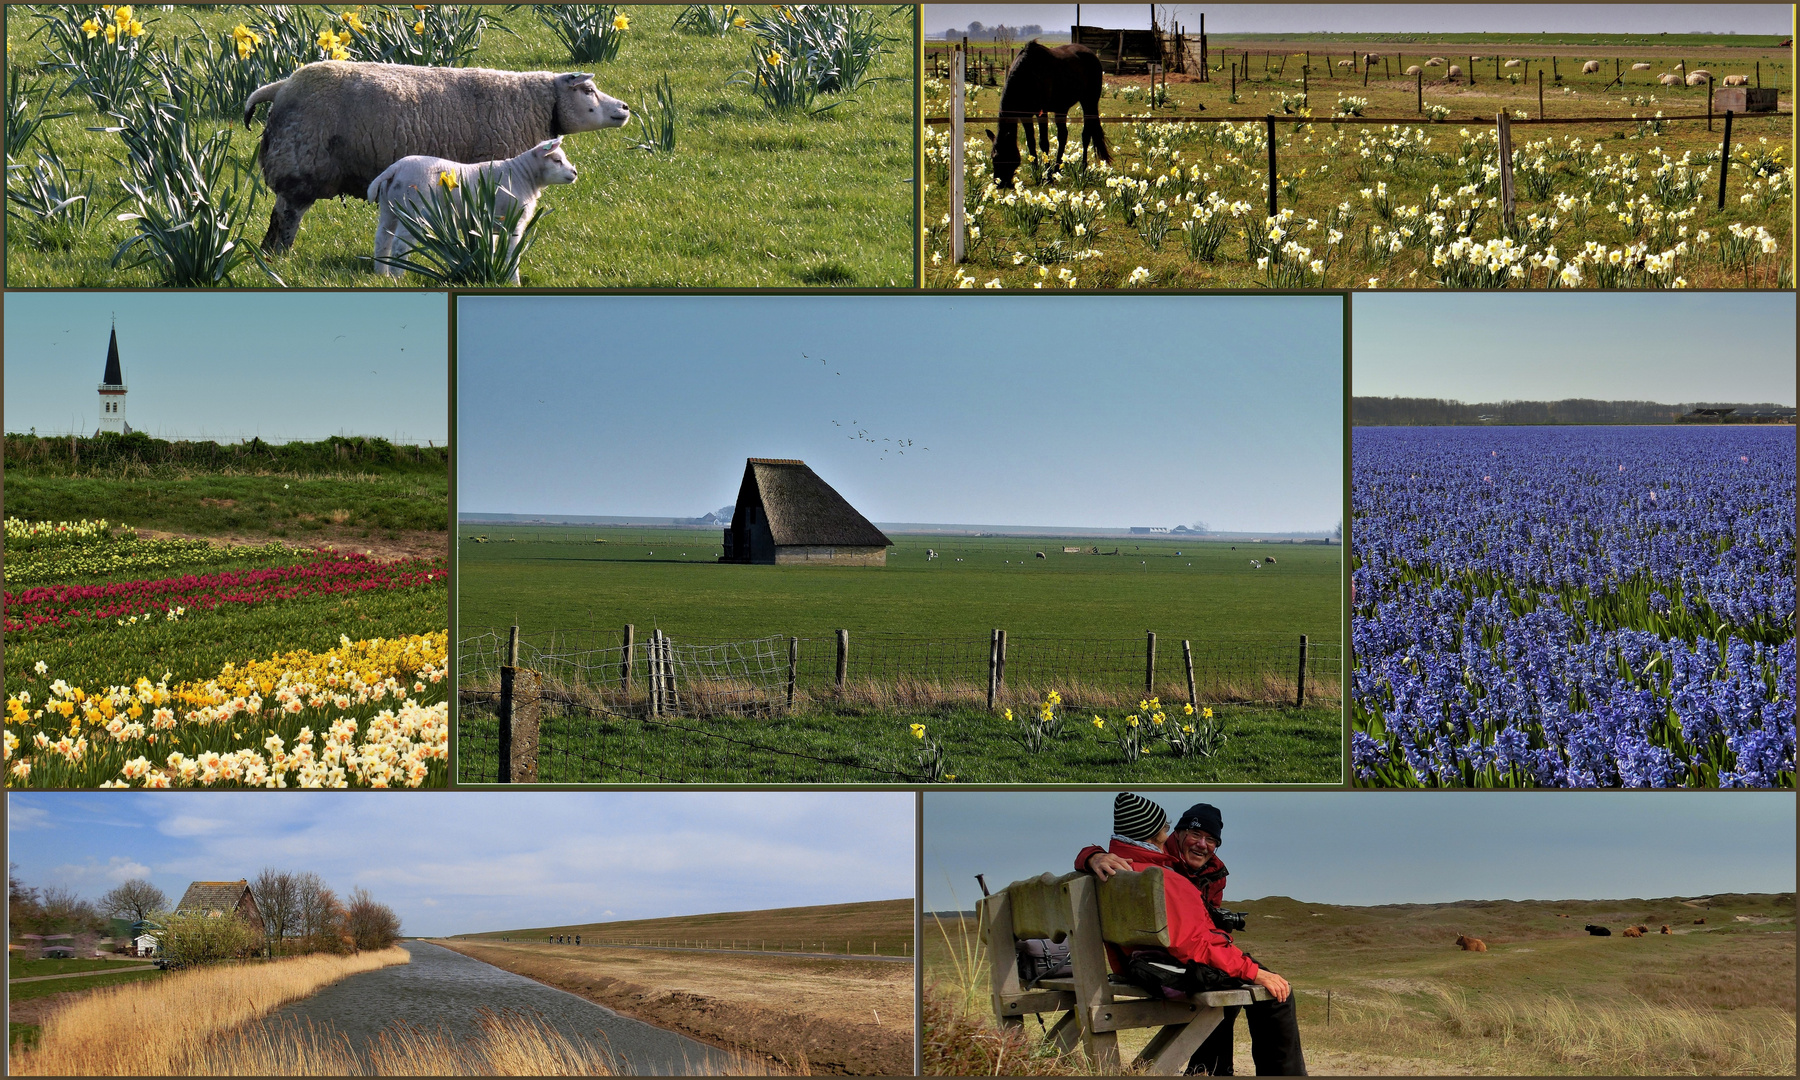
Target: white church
(112,392)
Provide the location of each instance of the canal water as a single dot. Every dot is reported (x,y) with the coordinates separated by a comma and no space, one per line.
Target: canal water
(446,990)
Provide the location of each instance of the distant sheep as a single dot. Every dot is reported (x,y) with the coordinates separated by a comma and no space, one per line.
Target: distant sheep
(1640,67)
(1371,58)
(1412,69)
(1597,931)
(1592,67)
(1471,944)
(1697,78)
(1455,72)
(1270,559)
(1632,931)
(1436,61)
(1041,555)
(1346,63)
(1702,72)
(334,126)
(1669,80)
(520,181)
(1735,80)
(1512,63)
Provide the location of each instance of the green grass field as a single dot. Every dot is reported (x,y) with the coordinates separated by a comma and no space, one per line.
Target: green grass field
(1629,185)
(293,506)
(1545,999)
(17,968)
(557,578)
(749,197)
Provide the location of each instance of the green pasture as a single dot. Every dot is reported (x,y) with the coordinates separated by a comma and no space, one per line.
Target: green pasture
(18,968)
(1323,171)
(749,197)
(1265,744)
(291,506)
(559,578)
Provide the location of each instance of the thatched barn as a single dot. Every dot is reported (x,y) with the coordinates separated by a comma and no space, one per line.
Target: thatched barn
(214,898)
(786,515)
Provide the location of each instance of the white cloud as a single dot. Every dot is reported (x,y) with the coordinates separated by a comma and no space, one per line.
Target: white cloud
(91,874)
(20,817)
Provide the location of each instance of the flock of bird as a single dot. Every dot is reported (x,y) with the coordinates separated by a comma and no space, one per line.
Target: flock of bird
(897,446)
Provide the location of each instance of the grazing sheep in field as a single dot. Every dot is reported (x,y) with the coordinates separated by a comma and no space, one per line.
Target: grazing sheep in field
(1371,58)
(1346,63)
(1632,931)
(1697,78)
(1640,67)
(1471,944)
(1512,63)
(1669,80)
(1597,931)
(1735,80)
(1592,67)
(1412,69)
(1436,61)
(520,180)
(1270,559)
(1041,555)
(1455,73)
(334,126)
(1702,72)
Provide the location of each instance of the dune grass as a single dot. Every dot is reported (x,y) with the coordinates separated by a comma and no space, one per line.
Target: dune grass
(749,197)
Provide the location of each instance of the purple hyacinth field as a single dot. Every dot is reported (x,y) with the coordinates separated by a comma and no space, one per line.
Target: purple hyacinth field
(1573,606)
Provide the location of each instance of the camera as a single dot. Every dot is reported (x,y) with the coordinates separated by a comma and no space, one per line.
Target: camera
(1229,921)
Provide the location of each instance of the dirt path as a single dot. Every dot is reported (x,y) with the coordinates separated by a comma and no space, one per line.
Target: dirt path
(405,545)
(842,1018)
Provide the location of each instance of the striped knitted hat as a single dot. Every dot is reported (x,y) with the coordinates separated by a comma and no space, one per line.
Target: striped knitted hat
(1137,817)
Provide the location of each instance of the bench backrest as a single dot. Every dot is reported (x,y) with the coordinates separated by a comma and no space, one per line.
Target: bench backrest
(1132,909)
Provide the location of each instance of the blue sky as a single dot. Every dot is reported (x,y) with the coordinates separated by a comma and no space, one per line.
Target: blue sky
(1498,346)
(1409,18)
(1083,411)
(280,365)
(1395,847)
(461,862)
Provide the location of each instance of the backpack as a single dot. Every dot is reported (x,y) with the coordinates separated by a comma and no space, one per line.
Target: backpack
(1157,971)
(1041,958)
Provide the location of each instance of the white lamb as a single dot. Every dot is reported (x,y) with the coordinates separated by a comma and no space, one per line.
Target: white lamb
(519,181)
(1592,67)
(1640,67)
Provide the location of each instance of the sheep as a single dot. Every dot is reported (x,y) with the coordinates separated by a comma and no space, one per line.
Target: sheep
(1640,67)
(1702,72)
(1346,63)
(1436,61)
(520,180)
(1512,63)
(1697,78)
(1412,69)
(1371,58)
(1041,555)
(1270,559)
(1669,79)
(333,126)
(1471,944)
(1592,67)
(1735,80)
(1455,73)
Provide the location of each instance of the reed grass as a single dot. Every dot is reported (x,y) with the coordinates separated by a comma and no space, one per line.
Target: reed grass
(163,1027)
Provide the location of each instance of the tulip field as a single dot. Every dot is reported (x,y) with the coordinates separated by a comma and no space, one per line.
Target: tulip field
(167,663)
(1581,607)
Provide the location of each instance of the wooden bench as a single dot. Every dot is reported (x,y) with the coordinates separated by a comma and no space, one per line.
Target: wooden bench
(1126,909)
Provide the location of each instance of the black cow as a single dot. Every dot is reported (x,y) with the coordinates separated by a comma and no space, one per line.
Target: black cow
(1597,931)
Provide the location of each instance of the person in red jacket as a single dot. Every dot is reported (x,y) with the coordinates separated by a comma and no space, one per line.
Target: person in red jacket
(1191,894)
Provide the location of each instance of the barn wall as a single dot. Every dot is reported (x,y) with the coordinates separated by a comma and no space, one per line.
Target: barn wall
(819,555)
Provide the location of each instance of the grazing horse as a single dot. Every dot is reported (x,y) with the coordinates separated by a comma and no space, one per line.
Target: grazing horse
(1043,80)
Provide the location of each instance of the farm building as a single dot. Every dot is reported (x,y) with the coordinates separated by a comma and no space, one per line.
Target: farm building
(218,897)
(786,515)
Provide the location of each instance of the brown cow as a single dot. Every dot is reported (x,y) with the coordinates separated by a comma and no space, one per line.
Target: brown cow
(1632,931)
(1697,922)
(1471,944)
(1642,929)
(1666,929)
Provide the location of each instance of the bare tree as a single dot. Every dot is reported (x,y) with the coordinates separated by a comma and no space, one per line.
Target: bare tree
(321,915)
(135,900)
(277,895)
(23,909)
(67,912)
(371,925)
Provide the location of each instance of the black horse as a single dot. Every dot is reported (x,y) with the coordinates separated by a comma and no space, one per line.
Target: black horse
(1043,80)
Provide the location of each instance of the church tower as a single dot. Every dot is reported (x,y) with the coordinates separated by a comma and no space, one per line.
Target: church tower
(112,392)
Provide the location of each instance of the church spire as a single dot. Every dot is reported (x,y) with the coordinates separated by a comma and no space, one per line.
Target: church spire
(113,376)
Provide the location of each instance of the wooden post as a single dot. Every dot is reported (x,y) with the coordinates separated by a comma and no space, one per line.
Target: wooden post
(1187,659)
(1300,683)
(843,664)
(1365,74)
(508,671)
(1087,955)
(1119,61)
(1149,663)
(1496,67)
(1471,71)
(1305,71)
(793,669)
(1725,159)
(958,93)
(993,667)
(626,655)
(1270,130)
(1540,114)
(1386,72)
(652,662)
(1234,79)
(1421,91)
(1001,673)
(1503,124)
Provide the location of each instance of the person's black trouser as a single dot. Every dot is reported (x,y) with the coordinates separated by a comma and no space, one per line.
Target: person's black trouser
(1214,1056)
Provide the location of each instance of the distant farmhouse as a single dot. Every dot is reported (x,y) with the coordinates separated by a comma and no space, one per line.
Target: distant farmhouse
(215,898)
(786,515)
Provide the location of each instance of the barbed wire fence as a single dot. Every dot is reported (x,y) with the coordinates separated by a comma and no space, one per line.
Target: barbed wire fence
(590,705)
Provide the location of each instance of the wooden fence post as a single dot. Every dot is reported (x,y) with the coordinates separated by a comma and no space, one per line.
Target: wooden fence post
(1709,103)
(1270,129)
(1300,683)
(1305,72)
(1420,89)
(1540,114)
(1725,159)
(793,669)
(1503,125)
(843,664)
(1187,658)
(1000,674)
(625,659)
(508,671)
(958,92)
(994,666)
(1149,663)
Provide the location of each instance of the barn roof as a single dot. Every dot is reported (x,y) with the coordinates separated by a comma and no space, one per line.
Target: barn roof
(803,509)
(210,896)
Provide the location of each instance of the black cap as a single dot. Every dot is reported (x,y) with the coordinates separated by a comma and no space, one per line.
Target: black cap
(1203,816)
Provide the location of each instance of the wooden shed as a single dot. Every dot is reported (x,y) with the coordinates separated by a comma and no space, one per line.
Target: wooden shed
(215,898)
(785,514)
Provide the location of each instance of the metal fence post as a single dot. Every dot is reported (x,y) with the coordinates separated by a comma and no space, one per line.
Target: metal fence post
(1149,663)
(1187,656)
(843,663)
(508,672)
(1300,682)
(793,669)
(626,658)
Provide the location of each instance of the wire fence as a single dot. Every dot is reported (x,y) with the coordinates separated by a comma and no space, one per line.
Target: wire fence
(597,706)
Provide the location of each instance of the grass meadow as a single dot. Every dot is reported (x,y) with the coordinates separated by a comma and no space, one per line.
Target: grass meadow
(1381,206)
(798,929)
(1545,999)
(749,197)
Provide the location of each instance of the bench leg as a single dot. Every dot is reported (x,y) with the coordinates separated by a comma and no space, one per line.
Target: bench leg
(1065,1033)
(1168,1051)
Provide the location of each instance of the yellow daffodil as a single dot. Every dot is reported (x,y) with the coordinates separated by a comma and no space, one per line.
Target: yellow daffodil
(1207,713)
(135,28)
(353,20)
(419,28)
(775,59)
(1099,723)
(90,28)
(112,33)
(122,15)
(738,22)
(620,22)
(1187,710)
(1007,713)
(448,180)
(327,39)
(918,731)
(1132,720)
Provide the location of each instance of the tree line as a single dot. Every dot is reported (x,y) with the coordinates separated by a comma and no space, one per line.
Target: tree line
(1436,412)
(110,452)
(299,914)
